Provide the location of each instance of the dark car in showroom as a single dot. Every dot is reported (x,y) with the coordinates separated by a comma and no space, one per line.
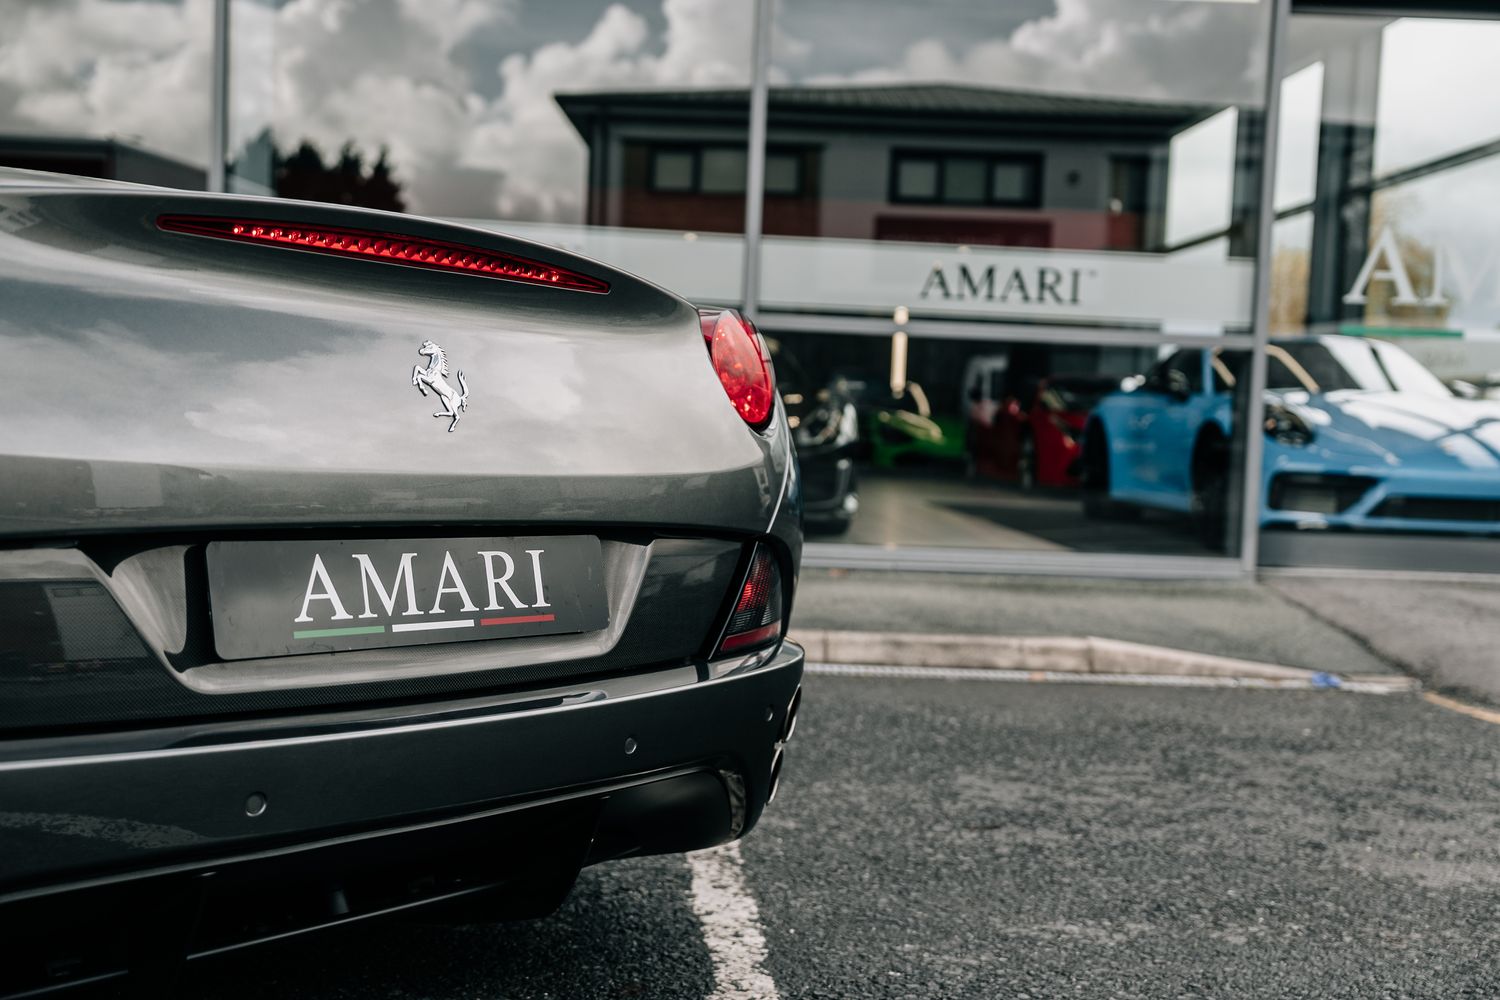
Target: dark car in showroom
(825,430)
(355,563)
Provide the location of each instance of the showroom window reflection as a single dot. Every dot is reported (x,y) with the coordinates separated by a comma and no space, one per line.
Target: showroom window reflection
(916,226)
(1393,241)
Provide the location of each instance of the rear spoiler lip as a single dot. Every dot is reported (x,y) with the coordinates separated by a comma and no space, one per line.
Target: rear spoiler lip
(383,247)
(154,200)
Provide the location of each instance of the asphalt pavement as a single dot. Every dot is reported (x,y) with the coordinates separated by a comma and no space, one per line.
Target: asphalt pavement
(993,839)
(1442,631)
(1241,619)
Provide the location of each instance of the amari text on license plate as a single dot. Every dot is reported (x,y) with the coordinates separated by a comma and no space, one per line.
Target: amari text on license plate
(279,598)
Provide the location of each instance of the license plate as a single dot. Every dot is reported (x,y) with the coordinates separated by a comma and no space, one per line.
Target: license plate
(290,597)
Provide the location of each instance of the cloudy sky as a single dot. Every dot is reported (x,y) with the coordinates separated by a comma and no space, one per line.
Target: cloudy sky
(461,91)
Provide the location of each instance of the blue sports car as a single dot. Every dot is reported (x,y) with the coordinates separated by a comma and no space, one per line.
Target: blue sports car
(1358,435)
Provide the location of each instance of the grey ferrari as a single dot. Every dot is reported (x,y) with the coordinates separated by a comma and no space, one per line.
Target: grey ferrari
(354,563)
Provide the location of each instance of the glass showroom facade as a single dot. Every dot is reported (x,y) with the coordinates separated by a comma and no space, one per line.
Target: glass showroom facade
(1055,285)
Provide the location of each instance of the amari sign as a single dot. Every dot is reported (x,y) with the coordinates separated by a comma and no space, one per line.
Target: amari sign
(1450,279)
(1043,286)
(1173,293)
(1441,304)
(1040,286)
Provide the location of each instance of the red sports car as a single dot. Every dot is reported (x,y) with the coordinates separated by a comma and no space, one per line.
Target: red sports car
(1033,438)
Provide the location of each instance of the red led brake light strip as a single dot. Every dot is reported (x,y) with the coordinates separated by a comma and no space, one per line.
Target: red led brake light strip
(438,255)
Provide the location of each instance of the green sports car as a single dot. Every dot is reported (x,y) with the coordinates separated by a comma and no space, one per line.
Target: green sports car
(902,430)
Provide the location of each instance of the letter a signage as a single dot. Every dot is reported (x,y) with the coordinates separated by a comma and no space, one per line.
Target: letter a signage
(1395,272)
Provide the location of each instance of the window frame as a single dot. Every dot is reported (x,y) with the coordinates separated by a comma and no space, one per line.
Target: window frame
(695,169)
(798,156)
(695,151)
(895,195)
(700,157)
(1032,162)
(1119,163)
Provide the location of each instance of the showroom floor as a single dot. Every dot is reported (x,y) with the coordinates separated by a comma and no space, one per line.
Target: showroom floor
(913,510)
(946,509)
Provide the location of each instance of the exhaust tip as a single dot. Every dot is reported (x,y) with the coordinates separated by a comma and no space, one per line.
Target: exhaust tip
(790,726)
(775,775)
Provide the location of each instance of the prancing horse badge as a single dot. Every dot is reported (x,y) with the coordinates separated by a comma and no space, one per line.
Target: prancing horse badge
(434,377)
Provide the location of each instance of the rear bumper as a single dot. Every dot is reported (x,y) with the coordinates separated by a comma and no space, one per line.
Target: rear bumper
(669,761)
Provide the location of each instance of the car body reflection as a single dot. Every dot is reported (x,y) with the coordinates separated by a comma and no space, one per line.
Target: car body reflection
(1358,435)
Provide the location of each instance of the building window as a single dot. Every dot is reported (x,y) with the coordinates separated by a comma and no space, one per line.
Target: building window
(1013,182)
(784,173)
(916,179)
(957,179)
(963,181)
(721,170)
(673,170)
(1128,177)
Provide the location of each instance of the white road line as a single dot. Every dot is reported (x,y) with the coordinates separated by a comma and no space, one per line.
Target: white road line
(1398,686)
(731,925)
(425,626)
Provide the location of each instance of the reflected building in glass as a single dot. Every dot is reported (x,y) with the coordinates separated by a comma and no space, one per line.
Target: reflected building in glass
(1041,300)
(941,164)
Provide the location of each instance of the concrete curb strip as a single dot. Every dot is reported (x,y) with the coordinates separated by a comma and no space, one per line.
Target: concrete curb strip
(1053,654)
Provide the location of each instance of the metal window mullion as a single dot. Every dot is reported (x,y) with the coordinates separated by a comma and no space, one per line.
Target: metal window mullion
(218,112)
(1280,11)
(755,155)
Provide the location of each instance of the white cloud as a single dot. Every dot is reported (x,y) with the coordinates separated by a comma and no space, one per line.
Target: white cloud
(1127,48)
(522,131)
(454,21)
(379,73)
(383,73)
(138,70)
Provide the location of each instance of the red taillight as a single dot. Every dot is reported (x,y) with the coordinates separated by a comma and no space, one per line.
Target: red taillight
(756,619)
(739,359)
(412,251)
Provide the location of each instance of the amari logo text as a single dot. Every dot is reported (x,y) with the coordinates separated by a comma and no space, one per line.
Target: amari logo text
(1030,286)
(353,595)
